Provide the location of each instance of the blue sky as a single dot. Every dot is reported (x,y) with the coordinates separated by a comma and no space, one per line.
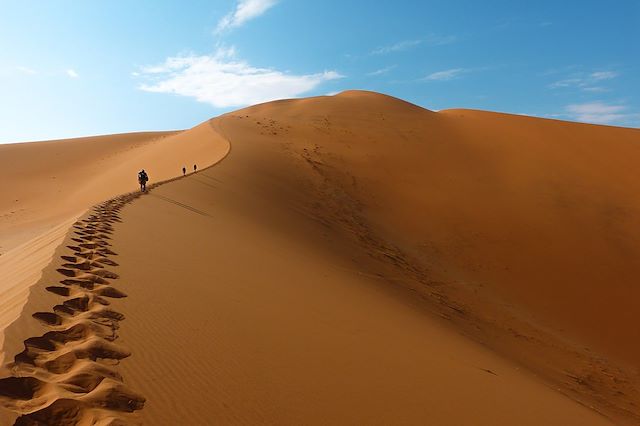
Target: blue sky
(72,68)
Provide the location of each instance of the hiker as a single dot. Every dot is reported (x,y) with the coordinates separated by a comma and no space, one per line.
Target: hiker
(184,170)
(195,168)
(143,178)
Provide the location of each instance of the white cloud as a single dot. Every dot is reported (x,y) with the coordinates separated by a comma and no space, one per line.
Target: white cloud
(245,11)
(72,73)
(397,47)
(598,112)
(603,75)
(446,74)
(586,82)
(382,71)
(26,70)
(224,81)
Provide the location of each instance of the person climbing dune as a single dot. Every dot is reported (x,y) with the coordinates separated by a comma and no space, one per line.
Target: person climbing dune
(184,171)
(143,178)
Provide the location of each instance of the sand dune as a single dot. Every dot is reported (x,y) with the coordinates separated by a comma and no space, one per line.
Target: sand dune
(354,259)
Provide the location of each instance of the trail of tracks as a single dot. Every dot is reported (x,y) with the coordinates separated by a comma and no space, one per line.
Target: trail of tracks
(68,375)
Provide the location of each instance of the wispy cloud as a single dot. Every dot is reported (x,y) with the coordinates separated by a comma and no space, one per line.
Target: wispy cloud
(603,75)
(69,72)
(396,47)
(381,71)
(245,11)
(440,40)
(595,89)
(222,80)
(26,70)
(560,70)
(446,75)
(430,40)
(585,81)
(600,113)
(567,82)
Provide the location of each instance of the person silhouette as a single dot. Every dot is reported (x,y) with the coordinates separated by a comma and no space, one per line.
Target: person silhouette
(184,171)
(195,168)
(143,178)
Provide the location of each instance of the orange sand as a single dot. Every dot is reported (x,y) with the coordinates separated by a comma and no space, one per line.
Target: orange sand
(355,259)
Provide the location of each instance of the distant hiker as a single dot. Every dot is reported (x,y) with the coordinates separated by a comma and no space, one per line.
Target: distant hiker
(195,168)
(184,171)
(143,178)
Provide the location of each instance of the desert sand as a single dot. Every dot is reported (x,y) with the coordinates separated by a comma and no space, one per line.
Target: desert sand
(352,259)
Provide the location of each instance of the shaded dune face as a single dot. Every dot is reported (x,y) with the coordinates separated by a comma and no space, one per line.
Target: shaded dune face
(528,228)
(543,212)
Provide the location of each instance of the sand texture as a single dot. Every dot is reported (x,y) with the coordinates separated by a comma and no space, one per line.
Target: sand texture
(352,259)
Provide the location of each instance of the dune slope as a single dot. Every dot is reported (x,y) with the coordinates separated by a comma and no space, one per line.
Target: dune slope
(525,230)
(250,312)
(522,231)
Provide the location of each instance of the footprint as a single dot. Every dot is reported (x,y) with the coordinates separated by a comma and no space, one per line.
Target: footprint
(22,388)
(67,272)
(111,292)
(48,318)
(60,291)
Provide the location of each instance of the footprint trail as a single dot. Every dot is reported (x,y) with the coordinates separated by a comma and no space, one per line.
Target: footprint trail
(68,376)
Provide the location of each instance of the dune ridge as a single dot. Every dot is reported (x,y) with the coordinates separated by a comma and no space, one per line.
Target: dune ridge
(54,182)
